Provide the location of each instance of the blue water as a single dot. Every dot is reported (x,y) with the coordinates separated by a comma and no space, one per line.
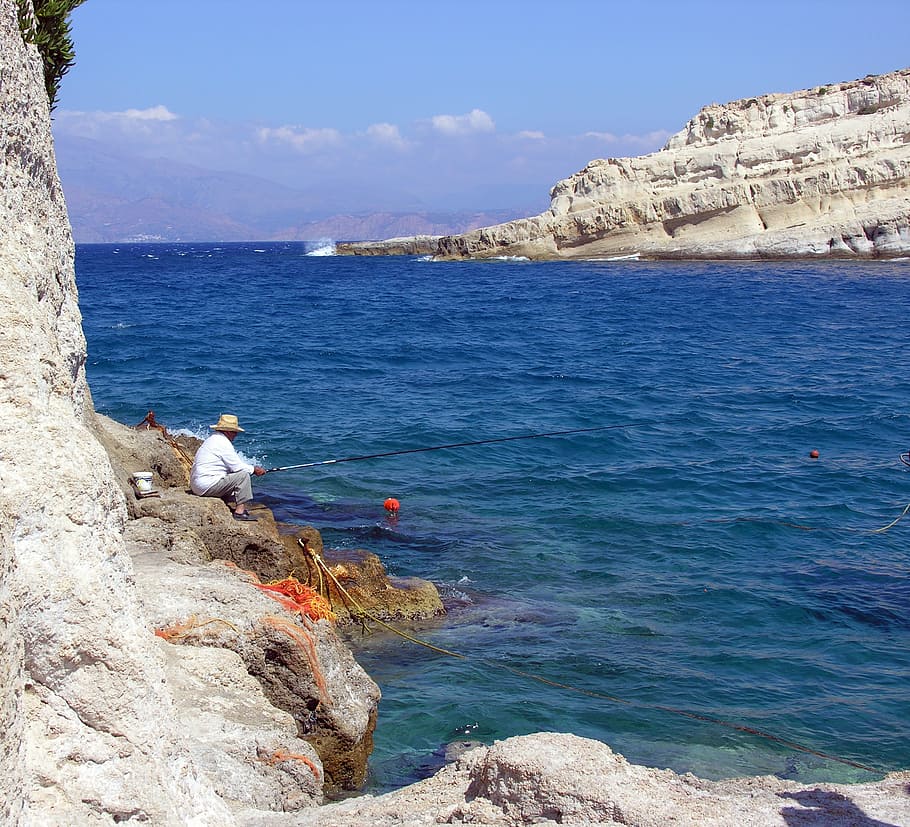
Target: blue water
(692,559)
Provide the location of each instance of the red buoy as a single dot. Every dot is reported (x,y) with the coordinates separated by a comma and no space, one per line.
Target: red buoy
(392,505)
(813,453)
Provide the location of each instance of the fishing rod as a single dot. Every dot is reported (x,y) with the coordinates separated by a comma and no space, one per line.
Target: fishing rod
(456,445)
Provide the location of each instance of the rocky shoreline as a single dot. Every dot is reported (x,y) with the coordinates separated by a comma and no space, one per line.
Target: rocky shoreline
(199,576)
(277,740)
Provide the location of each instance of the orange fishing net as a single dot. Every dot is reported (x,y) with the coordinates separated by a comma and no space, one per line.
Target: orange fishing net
(283,755)
(178,630)
(307,644)
(298,597)
(307,605)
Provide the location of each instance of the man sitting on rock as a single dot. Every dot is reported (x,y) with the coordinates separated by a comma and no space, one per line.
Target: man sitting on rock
(219,472)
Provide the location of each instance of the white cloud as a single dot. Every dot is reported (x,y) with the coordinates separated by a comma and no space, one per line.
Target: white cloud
(154,123)
(606,137)
(301,139)
(387,133)
(444,161)
(155,113)
(475,121)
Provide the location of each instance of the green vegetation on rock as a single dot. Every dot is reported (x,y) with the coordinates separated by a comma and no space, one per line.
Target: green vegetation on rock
(46,24)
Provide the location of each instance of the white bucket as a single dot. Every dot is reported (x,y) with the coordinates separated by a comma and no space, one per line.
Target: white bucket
(143,481)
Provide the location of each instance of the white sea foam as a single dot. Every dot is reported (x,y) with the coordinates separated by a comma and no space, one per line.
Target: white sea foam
(321,247)
(203,432)
(198,433)
(629,257)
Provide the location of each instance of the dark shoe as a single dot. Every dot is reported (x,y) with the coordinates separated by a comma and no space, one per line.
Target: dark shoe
(245,516)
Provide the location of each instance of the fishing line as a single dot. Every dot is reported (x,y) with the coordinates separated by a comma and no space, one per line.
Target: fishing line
(904,458)
(363,612)
(460,445)
(798,526)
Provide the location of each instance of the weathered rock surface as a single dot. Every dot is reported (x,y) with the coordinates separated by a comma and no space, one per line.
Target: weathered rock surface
(416,245)
(821,172)
(204,529)
(195,569)
(89,730)
(367,588)
(551,778)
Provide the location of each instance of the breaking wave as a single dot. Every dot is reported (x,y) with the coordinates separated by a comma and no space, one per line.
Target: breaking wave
(320,247)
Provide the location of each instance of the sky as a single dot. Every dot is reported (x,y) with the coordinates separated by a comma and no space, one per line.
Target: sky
(440,104)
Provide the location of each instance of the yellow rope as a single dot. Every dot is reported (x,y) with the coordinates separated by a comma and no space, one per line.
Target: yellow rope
(892,523)
(321,565)
(800,526)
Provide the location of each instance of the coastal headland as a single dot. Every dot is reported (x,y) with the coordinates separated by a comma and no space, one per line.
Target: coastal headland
(818,173)
(149,678)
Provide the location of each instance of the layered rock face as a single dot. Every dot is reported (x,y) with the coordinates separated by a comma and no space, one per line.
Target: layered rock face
(821,172)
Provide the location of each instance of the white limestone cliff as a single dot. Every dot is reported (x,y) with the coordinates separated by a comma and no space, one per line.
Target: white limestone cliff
(89,731)
(821,172)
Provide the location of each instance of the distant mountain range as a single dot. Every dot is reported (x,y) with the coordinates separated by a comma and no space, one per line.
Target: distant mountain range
(119,198)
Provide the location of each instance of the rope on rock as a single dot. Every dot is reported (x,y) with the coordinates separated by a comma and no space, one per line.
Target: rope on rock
(363,612)
(150,424)
(178,631)
(299,597)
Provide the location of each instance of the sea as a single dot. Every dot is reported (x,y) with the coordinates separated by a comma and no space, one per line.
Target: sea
(680,577)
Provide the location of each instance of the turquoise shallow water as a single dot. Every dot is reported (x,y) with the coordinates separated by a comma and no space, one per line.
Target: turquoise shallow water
(692,559)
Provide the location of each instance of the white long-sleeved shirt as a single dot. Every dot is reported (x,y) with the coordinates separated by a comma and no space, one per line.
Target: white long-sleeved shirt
(215,459)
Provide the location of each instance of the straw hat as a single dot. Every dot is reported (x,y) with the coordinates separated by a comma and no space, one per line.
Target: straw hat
(227,422)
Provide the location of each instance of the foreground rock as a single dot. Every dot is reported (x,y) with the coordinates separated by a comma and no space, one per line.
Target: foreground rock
(821,172)
(552,778)
(90,732)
